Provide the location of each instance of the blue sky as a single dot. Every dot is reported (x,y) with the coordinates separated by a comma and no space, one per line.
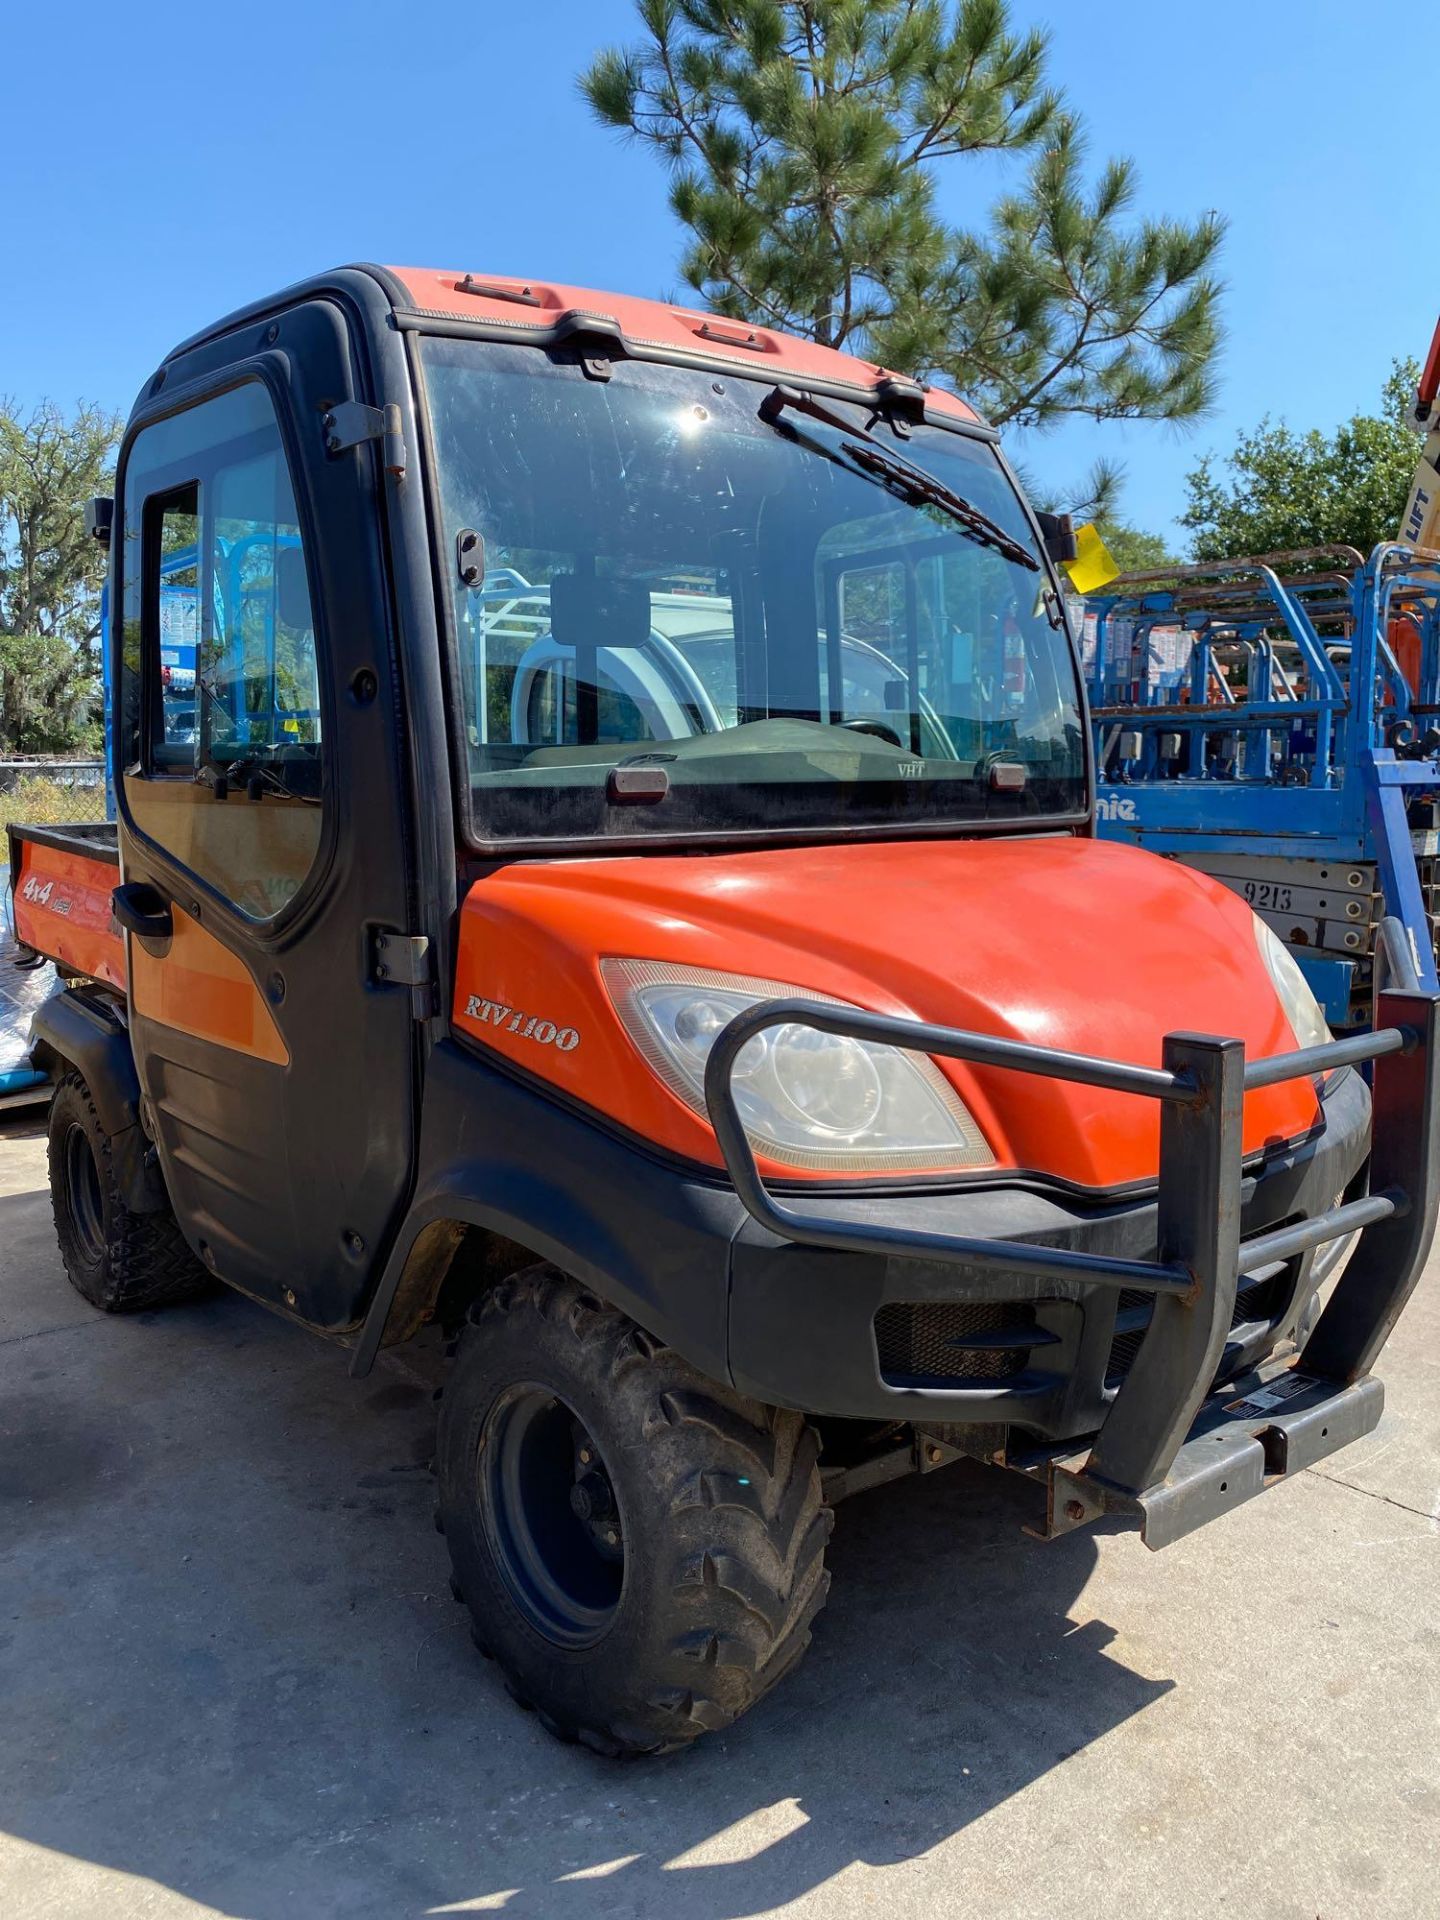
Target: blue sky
(164,163)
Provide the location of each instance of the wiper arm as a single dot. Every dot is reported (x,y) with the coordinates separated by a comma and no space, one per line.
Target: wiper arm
(903,476)
(925,490)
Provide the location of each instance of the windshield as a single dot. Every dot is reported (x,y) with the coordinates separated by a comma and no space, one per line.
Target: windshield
(663,579)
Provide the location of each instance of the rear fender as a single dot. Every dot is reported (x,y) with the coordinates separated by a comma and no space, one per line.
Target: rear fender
(76,1030)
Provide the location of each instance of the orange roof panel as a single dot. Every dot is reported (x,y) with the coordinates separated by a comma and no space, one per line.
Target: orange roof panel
(526,304)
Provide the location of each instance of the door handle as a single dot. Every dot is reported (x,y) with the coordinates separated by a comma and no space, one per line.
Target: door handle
(143,910)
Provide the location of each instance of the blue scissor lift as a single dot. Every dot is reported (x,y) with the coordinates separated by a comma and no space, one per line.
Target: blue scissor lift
(1252,720)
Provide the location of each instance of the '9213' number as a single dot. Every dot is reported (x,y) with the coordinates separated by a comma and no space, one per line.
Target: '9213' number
(1265,893)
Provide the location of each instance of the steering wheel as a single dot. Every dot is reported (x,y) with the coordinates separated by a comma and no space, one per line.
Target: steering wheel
(880,730)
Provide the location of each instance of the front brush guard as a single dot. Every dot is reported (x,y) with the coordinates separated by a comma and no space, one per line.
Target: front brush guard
(1169,1451)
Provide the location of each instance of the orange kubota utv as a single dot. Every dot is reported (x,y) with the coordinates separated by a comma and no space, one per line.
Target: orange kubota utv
(605,862)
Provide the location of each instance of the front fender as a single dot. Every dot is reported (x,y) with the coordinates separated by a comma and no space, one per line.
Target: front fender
(499,1153)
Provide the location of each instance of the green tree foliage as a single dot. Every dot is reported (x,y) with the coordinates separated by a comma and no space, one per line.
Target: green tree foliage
(47,698)
(1132,549)
(50,575)
(803,140)
(1096,497)
(1278,489)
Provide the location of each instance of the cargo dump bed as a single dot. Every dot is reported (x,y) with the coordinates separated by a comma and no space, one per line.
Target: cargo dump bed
(61,880)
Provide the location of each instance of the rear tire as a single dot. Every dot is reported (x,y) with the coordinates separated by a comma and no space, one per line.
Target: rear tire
(121,1262)
(641,1550)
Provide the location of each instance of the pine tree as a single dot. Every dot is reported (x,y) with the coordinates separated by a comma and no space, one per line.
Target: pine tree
(804,139)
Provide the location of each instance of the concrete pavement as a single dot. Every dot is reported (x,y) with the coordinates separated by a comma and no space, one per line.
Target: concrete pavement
(233,1680)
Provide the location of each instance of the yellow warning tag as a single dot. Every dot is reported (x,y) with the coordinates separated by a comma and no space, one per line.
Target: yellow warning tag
(293,726)
(1092,566)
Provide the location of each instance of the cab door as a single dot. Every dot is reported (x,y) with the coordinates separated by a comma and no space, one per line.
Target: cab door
(264,838)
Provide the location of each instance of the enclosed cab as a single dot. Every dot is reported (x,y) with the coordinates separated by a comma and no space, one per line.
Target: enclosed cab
(606,864)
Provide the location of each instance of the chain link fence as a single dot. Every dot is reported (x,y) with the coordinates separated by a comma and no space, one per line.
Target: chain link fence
(50,793)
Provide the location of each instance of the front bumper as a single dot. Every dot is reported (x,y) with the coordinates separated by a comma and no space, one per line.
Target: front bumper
(871,1336)
(1086,1346)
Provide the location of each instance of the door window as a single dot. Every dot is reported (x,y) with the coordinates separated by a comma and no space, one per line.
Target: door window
(179,627)
(219,722)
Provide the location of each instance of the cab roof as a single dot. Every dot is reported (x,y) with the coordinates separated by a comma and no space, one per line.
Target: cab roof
(525,307)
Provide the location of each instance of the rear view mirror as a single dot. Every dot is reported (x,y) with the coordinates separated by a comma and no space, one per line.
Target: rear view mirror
(1057,532)
(99,518)
(292,590)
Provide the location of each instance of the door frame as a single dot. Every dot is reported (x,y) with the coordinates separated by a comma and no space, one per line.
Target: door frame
(267,947)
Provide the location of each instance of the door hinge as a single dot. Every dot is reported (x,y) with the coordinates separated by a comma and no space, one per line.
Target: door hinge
(403,960)
(349,423)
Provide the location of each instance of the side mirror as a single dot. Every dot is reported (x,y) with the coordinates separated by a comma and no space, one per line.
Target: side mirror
(99,518)
(1057,531)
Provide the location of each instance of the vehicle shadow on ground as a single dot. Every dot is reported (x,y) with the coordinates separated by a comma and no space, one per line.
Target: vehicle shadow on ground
(231,1664)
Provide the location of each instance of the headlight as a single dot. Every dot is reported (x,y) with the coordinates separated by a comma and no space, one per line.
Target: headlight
(813,1100)
(1302,1009)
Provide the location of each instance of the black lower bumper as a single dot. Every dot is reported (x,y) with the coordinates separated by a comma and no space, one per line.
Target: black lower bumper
(825,1331)
(1249,1435)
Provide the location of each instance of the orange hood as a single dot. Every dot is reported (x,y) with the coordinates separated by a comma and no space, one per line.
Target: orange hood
(1079,944)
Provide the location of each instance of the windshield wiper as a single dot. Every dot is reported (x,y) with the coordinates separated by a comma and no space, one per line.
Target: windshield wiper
(893,470)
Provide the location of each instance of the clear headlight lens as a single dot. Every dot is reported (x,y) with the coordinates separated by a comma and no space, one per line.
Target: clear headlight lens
(1302,1009)
(817,1101)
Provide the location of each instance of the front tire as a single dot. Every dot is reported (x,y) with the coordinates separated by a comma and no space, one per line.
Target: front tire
(641,1550)
(120,1261)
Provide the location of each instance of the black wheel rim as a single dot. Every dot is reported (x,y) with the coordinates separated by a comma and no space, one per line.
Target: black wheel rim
(82,1183)
(551,1516)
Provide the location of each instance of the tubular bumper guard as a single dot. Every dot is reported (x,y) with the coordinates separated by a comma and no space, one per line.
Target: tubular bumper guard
(1173,1451)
